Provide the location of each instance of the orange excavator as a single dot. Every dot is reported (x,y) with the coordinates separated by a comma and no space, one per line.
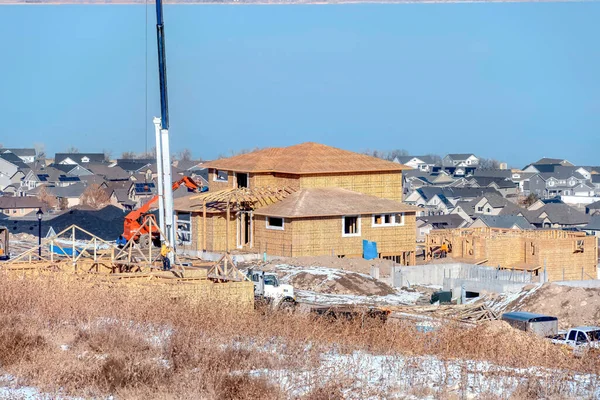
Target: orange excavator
(136,222)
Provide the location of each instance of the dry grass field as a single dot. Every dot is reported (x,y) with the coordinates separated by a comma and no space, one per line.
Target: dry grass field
(73,338)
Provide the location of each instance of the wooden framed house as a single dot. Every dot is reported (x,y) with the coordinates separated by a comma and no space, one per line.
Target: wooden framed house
(308,199)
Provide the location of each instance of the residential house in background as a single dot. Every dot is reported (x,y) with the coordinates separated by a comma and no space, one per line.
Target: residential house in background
(28,156)
(426,224)
(468,160)
(421,163)
(593,209)
(19,206)
(501,221)
(78,158)
(546,165)
(593,227)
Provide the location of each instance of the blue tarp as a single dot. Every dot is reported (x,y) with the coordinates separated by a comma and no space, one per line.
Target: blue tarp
(369,250)
(65,251)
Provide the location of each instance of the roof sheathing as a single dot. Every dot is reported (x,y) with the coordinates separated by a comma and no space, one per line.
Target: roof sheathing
(331,202)
(304,159)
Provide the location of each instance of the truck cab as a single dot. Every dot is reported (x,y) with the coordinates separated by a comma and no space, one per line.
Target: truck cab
(582,336)
(267,288)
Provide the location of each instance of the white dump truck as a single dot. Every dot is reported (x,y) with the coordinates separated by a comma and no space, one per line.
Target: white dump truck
(267,289)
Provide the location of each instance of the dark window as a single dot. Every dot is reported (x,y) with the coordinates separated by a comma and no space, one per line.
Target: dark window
(351,225)
(242,180)
(274,222)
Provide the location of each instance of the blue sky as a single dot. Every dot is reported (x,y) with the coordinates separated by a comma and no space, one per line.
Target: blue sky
(511,81)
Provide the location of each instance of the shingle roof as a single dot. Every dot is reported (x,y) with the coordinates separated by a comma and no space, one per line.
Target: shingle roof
(320,202)
(546,161)
(427,192)
(71,191)
(305,158)
(20,152)
(563,214)
(493,173)
(108,172)
(505,221)
(8,202)
(77,157)
(594,205)
(458,156)
(594,224)
(448,221)
(134,165)
(500,182)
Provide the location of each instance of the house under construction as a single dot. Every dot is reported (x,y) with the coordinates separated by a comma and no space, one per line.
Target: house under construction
(308,199)
(564,255)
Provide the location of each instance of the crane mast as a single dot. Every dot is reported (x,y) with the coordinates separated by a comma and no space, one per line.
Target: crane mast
(163,156)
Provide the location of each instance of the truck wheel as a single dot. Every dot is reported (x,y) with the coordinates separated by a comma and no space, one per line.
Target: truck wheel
(288,306)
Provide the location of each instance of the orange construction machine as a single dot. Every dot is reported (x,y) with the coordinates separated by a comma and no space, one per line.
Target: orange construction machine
(136,222)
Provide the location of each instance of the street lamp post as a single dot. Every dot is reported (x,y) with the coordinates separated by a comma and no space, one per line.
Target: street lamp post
(39,214)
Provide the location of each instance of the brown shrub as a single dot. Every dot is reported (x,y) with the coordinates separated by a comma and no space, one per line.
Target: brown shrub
(17,344)
(245,387)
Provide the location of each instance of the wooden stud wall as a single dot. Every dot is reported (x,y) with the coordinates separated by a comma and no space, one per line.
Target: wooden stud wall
(323,236)
(274,180)
(506,248)
(215,186)
(385,185)
(273,241)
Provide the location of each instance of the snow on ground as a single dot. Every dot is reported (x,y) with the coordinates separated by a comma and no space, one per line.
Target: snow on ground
(364,375)
(331,273)
(10,389)
(500,303)
(399,298)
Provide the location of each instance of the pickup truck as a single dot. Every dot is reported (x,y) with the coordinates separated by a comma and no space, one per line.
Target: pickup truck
(580,337)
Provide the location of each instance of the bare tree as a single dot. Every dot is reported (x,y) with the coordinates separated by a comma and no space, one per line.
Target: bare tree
(128,155)
(40,150)
(386,155)
(47,198)
(72,150)
(148,154)
(107,154)
(63,203)
(488,163)
(436,158)
(94,196)
(184,155)
(242,151)
(529,200)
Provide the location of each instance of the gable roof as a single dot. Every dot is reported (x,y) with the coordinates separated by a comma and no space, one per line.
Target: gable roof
(20,152)
(563,214)
(107,172)
(428,192)
(305,158)
(593,206)
(460,156)
(593,225)
(77,157)
(134,165)
(8,202)
(505,221)
(321,202)
(554,161)
(499,181)
(71,191)
(447,221)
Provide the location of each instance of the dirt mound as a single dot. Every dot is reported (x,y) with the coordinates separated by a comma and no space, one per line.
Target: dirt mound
(501,331)
(332,281)
(359,265)
(572,306)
